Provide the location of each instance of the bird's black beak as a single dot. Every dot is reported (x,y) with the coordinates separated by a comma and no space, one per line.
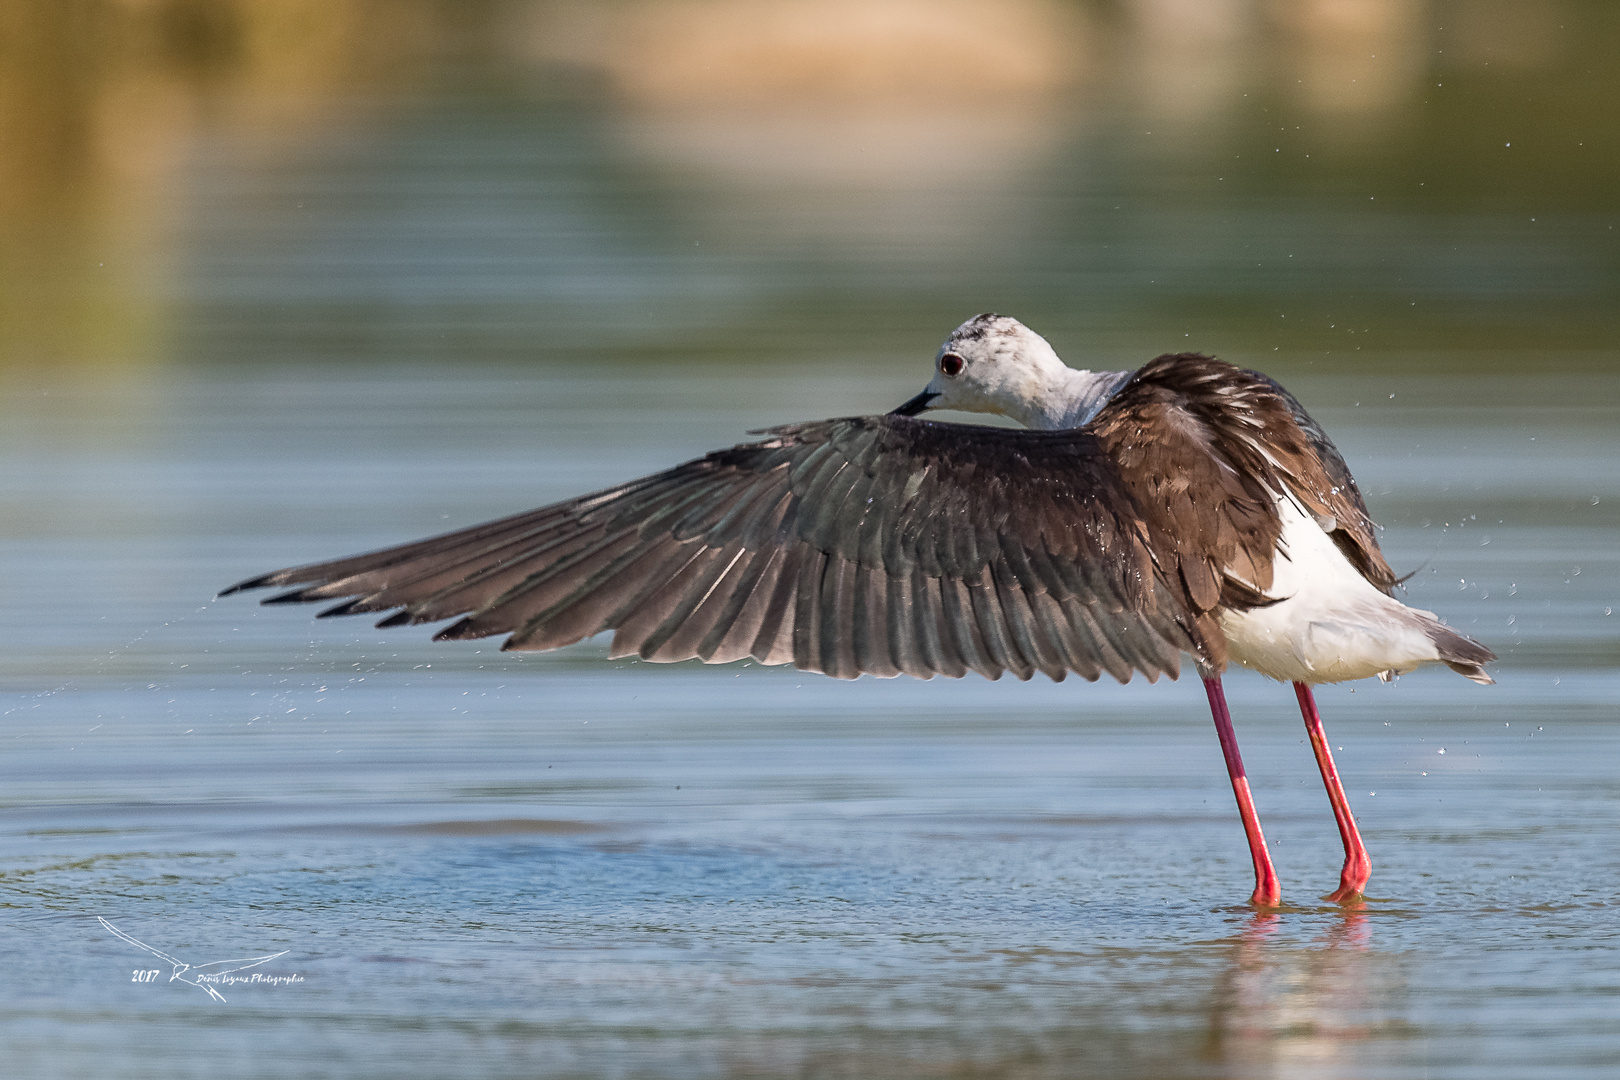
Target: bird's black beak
(916,404)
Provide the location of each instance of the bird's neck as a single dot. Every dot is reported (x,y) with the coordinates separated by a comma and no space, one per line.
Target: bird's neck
(1063,398)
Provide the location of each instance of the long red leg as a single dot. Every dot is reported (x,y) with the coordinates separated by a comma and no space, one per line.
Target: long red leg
(1266,891)
(1357,866)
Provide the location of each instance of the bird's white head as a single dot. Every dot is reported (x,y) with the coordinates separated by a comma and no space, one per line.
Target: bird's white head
(995,364)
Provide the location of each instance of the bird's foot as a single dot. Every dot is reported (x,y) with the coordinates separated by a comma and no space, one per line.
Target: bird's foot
(1352,880)
(1267,894)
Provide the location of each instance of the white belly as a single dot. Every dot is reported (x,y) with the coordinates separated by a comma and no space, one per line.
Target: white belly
(1332,625)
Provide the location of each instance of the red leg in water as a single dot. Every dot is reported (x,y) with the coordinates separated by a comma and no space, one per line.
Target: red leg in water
(1357,866)
(1266,891)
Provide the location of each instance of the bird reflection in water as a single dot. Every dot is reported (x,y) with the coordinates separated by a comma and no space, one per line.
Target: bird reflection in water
(1284,1006)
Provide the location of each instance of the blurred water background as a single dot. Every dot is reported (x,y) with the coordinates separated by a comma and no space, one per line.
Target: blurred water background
(285,279)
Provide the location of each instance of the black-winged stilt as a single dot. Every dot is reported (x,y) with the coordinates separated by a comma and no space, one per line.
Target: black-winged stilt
(1187,507)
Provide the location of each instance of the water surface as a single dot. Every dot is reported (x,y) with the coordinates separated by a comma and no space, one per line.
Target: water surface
(487,864)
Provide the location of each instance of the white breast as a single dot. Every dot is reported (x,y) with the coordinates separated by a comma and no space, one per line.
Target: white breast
(1331,624)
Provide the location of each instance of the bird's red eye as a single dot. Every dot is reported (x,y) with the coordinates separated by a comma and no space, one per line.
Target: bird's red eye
(950,364)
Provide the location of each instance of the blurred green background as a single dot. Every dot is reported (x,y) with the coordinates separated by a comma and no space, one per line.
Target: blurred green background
(1422,185)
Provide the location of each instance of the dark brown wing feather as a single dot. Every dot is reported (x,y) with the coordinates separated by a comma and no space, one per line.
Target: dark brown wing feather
(1332,495)
(872,544)
(1208,446)
(1191,437)
(888,544)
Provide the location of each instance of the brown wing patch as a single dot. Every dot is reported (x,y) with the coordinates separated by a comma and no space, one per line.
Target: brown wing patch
(1199,443)
(1205,448)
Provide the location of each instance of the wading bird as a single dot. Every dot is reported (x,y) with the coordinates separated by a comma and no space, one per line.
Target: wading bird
(1186,507)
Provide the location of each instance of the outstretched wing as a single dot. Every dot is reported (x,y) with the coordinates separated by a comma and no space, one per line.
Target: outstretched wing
(223,967)
(159,953)
(886,544)
(877,544)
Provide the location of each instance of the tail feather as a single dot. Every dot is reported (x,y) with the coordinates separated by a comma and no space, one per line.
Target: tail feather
(1461,654)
